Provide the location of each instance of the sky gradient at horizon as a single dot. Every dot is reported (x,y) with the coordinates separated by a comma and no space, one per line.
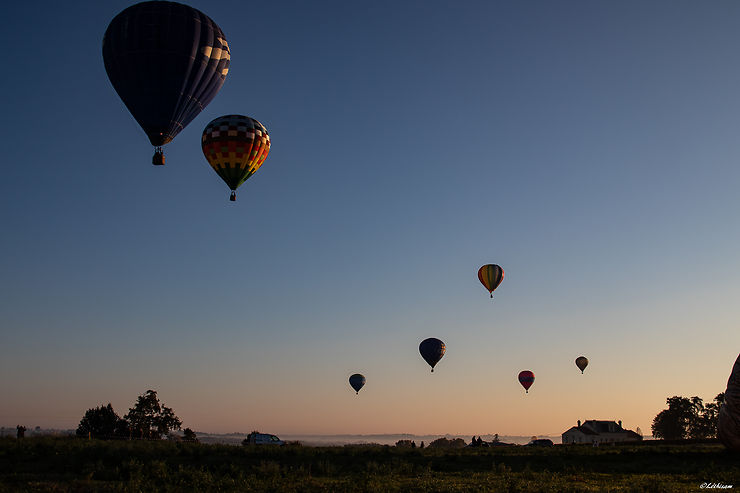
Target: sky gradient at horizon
(589,148)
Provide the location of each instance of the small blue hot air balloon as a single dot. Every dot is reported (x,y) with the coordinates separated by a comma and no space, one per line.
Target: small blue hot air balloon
(357,381)
(432,350)
(581,363)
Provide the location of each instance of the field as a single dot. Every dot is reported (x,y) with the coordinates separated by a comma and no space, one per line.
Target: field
(71,464)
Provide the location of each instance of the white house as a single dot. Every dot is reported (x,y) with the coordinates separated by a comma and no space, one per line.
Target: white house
(596,431)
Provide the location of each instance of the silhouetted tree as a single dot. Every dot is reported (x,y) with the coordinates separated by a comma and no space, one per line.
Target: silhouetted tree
(150,419)
(705,425)
(189,435)
(102,422)
(673,423)
(123,429)
(667,426)
(687,418)
(20,431)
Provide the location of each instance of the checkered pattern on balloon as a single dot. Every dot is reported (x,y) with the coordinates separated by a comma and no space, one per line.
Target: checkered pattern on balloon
(235,147)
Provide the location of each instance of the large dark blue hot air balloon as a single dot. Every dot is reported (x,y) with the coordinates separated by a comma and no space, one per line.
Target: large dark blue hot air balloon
(432,350)
(357,381)
(166,61)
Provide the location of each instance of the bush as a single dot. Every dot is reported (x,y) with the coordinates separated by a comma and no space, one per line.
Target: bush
(445,443)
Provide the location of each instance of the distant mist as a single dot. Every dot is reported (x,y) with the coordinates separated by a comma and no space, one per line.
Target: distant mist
(380,439)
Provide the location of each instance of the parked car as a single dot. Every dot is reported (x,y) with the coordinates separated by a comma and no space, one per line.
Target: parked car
(256,438)
(541,442)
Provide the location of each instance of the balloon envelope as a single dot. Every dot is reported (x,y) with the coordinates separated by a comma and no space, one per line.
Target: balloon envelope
(235,147)
(490,275)
(581,363)
(166,61)
(357,381)
(432,350)
(526,378)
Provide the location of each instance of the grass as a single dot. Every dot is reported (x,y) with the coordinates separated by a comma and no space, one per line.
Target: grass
(70,464)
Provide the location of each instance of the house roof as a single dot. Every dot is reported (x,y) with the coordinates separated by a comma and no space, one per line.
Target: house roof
(597,427)
(600,426)
(583,429)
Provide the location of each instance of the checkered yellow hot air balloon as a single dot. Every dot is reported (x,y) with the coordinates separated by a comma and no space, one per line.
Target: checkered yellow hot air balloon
(235,146)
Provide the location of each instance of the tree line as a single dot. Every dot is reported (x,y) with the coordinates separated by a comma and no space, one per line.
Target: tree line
(147,419)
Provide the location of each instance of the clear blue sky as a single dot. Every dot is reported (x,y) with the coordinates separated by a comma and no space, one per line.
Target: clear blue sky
(589,148)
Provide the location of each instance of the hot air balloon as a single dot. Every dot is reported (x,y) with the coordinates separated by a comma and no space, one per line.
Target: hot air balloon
(526,378)
(432,351)
(235,146)
(357,381)
(728,421)
(491,275)
(581,363)
(166,61)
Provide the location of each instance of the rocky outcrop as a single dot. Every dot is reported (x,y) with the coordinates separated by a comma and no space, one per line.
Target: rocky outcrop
(728,426)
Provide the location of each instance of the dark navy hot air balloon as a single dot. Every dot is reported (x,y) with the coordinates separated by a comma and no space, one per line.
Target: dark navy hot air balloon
(581,363)
(432,351)
(166,61)
(357,381)
(526,378)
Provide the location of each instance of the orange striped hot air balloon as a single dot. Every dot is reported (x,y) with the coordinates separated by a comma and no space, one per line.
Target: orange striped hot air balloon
(235,147)
(490,275)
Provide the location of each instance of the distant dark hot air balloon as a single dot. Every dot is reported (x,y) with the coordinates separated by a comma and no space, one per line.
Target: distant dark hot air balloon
(166,61)
(526,378)
(582,363)
(357,381)
(235,147)
(491,275)
(432,351)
